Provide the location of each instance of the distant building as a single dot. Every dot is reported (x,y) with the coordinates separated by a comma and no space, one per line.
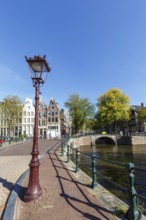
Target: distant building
(28,118)
(53,120)
(65,122)
(42,126)
(3,125)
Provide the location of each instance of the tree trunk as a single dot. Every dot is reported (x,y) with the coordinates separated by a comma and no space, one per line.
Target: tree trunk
(115,125)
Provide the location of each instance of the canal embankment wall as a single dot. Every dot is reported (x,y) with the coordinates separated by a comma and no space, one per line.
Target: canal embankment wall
(131,140)
(120,140)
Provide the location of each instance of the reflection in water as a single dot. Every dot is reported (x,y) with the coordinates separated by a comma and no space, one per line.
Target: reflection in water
(122,154)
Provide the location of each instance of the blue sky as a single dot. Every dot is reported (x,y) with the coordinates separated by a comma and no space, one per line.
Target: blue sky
(91,46)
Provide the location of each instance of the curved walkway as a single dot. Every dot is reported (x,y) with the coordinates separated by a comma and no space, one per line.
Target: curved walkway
(13,164)
(63,198)
(9,174)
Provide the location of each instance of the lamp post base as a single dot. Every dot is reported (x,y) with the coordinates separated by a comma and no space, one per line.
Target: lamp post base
(34,190)
(32,196)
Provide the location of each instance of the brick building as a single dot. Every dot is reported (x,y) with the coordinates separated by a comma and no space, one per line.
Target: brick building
(53,120)
(42,114)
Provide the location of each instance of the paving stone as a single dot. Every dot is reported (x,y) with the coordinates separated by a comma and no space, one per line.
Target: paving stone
(10,171)
(63,197)
(12,166)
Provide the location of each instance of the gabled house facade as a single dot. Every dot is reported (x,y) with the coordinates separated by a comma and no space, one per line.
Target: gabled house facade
(28,115)
(53,120)
(42,117)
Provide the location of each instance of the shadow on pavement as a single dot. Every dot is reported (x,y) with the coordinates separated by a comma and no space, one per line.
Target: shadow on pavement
(6,184)
(69,198)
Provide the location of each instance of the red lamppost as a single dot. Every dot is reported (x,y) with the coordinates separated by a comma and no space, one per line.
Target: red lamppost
(39,69)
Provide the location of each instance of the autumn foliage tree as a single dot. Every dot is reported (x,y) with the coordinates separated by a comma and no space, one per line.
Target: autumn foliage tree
(81,110)
(113,106)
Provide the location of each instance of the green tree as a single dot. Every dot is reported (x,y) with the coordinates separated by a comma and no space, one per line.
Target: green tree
(81,110)
(11,109)
(142,115)
(113,107)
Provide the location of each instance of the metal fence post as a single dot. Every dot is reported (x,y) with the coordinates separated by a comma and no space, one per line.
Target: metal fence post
(94,182)
(62,148)
(133,212)
(68,153)
(77,160)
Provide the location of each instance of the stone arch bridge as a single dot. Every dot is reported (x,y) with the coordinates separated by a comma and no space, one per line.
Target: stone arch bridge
(104,138)
(109,139)
(92,139)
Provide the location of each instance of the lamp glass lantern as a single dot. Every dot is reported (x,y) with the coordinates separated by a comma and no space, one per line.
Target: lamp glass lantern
(39,68)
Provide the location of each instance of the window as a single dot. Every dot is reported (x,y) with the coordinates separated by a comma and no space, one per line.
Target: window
(28,113)
(43,123)
(52,113)
(32,120)
(49,119)
(31,130)
(24,120)
(52,106)
(4,131)
(53,119)
(28,129)
(56,119)
(44,114)
(24,130)
(28,120)
(32,113)
(24,113)
(56,113)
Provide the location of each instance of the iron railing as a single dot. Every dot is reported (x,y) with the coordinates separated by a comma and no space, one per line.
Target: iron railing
(133,212)
(10,140)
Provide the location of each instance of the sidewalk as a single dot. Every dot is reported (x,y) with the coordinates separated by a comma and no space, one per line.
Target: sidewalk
(14,161)
(9,174)
(63,197)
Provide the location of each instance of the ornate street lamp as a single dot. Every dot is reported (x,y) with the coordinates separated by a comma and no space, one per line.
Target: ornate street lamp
(39,69)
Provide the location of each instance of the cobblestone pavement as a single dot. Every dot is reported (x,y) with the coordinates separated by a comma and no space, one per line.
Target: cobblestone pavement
(12,166)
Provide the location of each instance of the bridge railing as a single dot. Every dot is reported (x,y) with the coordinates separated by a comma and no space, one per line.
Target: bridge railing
(136,134)
(133,212)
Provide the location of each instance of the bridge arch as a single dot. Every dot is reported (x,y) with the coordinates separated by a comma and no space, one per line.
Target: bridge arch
(105,140)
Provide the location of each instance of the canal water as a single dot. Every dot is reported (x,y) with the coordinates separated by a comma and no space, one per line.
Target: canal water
(122,154)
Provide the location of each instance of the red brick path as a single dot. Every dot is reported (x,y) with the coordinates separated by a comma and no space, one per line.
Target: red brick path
(63,197)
